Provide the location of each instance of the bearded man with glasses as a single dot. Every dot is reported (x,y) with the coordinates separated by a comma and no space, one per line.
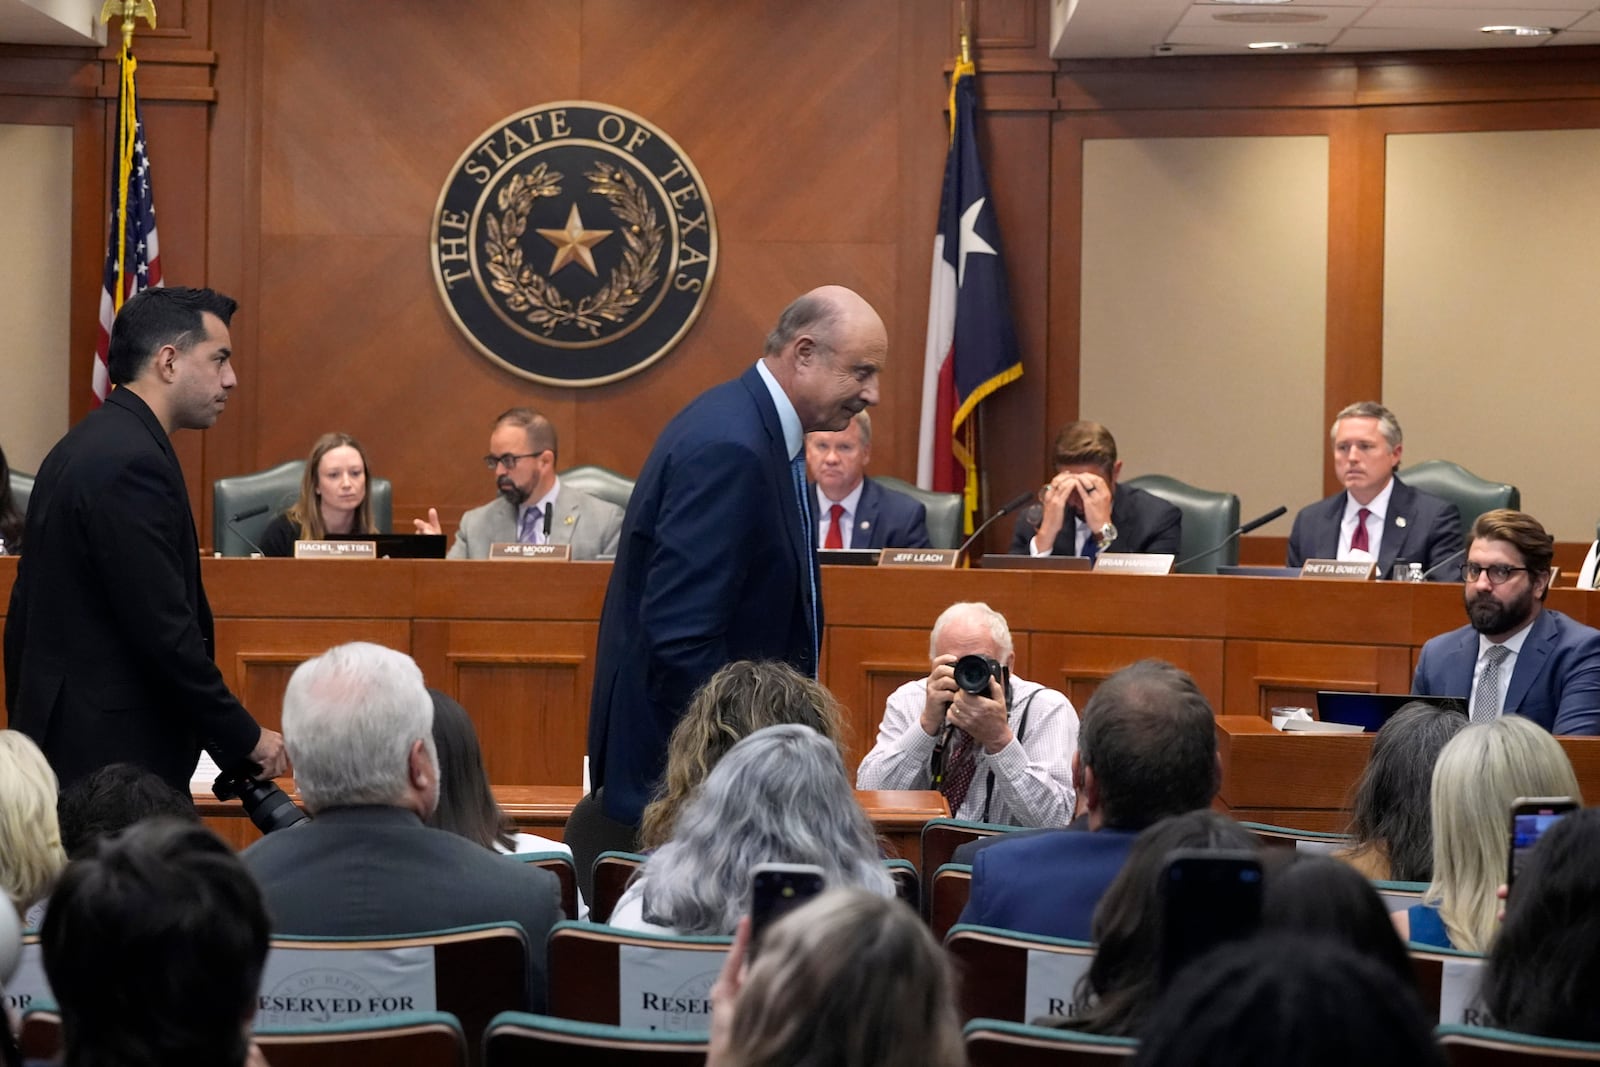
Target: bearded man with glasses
(1515,657)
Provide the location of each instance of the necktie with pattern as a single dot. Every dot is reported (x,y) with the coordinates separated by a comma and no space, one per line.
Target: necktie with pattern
(528,529)
(1486,698)
(959,771)
(797,467)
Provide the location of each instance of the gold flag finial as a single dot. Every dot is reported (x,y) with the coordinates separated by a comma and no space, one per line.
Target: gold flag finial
(966,32)
(129,10)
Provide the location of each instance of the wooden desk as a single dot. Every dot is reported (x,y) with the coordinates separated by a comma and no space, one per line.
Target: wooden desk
(897,815)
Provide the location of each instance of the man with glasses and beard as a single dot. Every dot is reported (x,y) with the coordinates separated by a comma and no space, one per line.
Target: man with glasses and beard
(1515,657)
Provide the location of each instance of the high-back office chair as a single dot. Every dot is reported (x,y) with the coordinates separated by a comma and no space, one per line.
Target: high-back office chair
(600,482)
(21,489)
(998,1043)
(517,1038)
(1208,517)
(1471,494)
(417,1039)
(1475,1046)
(944,511)
(275,489)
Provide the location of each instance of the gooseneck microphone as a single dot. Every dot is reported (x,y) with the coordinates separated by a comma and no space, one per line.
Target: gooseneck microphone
(1254,524)
(1437,567)
(990,521)
(247,513)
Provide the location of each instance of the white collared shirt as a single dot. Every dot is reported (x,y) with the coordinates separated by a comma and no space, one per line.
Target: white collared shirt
(847,518)
(1513,645)
(794,435)
(1378,512)
(541,528)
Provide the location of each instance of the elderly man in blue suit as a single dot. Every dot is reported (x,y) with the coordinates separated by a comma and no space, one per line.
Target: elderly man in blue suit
(1516,657)
(852,510)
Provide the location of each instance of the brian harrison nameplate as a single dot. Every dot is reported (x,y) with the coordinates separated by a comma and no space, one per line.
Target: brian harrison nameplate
(574,243)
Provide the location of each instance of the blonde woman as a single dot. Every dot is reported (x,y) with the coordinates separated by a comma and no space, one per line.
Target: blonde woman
(30,838)
(333,501)
(1480,772)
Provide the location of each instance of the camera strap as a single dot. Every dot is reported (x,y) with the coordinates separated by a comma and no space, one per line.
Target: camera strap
(1021,732)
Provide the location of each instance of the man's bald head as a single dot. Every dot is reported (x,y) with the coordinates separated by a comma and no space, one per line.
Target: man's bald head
(826,351)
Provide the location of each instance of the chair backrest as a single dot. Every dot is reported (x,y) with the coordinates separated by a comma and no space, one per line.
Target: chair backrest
(40,1035)
(275,489)
(1471,494)
(611,873)
(1475,1046)
(1016,976)
(419,1039)
(1448,983)
(600,974)
(1398,896)
(472,972)
(21,489)
(998,1043)
(600,482)
(941,837)
(1292,839)
(517,1038)
(947,897)
(560,865)
(1208,517)
(944,510)
(907,886)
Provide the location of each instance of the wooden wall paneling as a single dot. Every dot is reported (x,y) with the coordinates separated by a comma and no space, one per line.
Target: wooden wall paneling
(1323,610)
(1064,318)
(257,656)
(1261,675)
(865,665)
(1076,665)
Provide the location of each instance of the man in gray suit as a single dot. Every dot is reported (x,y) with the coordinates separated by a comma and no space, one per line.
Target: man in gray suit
(533,506)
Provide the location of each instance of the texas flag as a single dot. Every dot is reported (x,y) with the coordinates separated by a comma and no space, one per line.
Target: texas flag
(972,347)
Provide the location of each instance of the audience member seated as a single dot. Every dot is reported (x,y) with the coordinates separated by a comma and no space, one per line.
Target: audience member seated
(1007,754)
(853,511)
(1544,969)
(1391,819)
(778,796)
(1377,517)
(30,838)
(112,799)
(10,960)
(154,947)
(1319,896)
(533,507)
(1282,1000)
(1123,979)
(1105,516)
(1480,772)
(1515,657)
(358,725)
(1147,749)
(10,514)
(850,979)
(333,498)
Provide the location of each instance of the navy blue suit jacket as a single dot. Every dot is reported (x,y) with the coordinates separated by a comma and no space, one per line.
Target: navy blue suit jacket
(1045,883)
(1556,681)
(1420,528)
(714,566)
(884,519)
(1144,522)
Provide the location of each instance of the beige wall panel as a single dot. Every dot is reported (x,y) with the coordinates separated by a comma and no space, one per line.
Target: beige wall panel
(1490,275)
(1204,294)
(35,284)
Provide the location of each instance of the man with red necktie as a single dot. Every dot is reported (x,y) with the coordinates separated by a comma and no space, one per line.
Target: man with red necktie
(852,510)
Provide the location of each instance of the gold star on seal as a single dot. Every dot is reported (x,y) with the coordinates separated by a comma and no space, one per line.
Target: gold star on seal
(573,243)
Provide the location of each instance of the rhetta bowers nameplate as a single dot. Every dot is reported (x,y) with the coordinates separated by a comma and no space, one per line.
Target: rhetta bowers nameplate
(574,243)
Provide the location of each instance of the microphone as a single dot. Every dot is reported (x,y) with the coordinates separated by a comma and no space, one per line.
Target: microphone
(1254,524)
(247,513)
(1011,506)
(1437,567)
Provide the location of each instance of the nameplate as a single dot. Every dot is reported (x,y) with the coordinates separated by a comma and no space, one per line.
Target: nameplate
(945,558)
(1460,989)
(29,987)
(336,550)
(1135,562)
(308,985)
(514,550)
(1341,570)
(667,989)
(1052,977)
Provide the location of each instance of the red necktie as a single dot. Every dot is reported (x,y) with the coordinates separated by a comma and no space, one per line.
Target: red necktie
(1358,540)
(835,538)
(959,771)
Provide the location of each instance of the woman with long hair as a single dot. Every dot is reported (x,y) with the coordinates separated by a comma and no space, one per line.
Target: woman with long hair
(1391,820)
(31,855)
(333,501)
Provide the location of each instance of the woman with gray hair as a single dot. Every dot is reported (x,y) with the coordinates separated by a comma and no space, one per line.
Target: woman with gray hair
(778,796)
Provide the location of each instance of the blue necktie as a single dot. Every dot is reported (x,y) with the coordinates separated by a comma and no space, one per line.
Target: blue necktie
(807,539)
(1091,547)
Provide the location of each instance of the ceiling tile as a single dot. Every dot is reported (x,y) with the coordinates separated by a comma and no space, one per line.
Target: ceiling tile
(1359,39)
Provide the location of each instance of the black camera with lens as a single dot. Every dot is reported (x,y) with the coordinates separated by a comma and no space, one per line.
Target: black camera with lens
(268,806)
(973,673)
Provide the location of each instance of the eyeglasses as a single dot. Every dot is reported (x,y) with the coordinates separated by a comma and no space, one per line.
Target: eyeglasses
(1499,573)
(509,460)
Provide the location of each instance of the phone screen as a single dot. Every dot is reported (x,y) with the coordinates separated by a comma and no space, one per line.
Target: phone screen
(1530,818)
(1208,897)
(777,889)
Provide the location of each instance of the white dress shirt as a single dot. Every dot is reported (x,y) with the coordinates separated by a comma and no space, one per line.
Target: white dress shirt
(1379,510)
(847,518)
(1513,645)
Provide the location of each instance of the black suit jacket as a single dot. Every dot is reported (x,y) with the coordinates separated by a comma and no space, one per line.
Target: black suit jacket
(884,518)
(1419,528)
(108,640)
(1144,522)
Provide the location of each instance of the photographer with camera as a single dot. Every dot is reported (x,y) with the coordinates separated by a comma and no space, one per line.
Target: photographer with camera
(999,747)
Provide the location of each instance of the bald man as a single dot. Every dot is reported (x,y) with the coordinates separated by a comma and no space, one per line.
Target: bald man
(717,561)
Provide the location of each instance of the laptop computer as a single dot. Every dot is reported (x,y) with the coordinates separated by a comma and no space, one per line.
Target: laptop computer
(402,546)
(1371,710)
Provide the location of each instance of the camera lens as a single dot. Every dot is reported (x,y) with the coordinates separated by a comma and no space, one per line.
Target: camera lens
(973,673)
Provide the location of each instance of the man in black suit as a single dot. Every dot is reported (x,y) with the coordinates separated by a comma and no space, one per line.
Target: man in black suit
(1105,516)
(109,640)
(852,510)
(1377,516)
(359,723)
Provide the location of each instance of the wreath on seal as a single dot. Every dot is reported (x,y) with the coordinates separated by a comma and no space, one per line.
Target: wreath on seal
(527,291)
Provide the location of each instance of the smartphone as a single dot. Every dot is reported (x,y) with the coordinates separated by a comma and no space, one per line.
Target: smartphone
(779,888)
(1208,897)
(1530,818)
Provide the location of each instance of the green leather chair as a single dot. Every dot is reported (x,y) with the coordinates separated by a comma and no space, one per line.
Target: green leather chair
(601,482)
(1471,495)
(516,1038)
(1208,517)
(275,488)
(944,510)
(21,489)
(1464,1045)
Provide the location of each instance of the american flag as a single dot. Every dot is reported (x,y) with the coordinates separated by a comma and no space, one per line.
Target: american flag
(133,255)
